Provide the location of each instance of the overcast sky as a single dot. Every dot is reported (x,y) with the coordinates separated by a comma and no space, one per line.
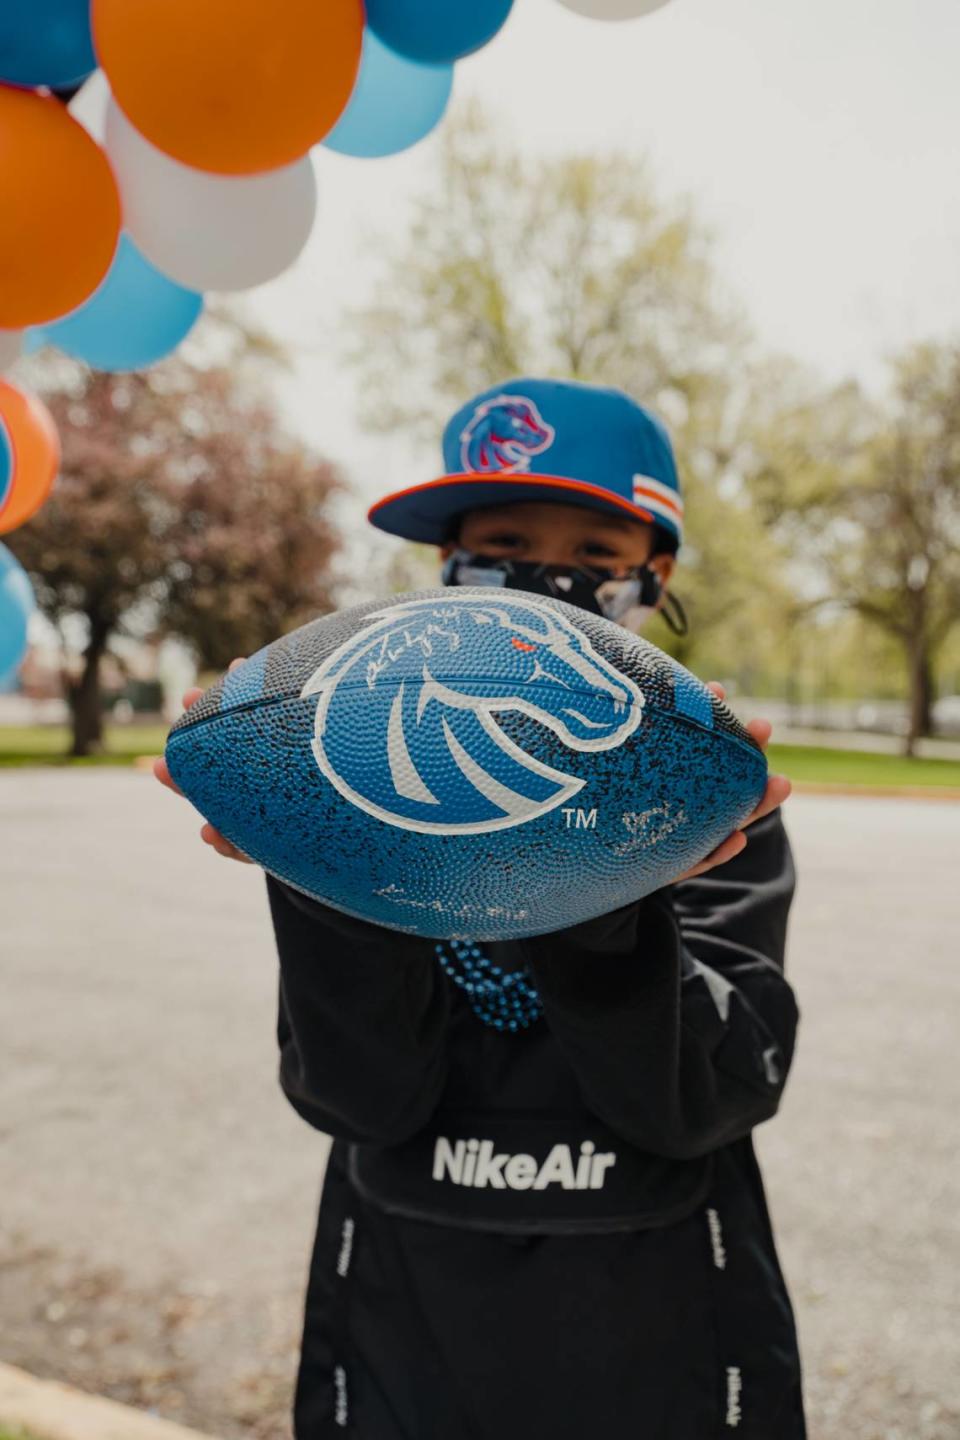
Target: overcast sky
(818,141)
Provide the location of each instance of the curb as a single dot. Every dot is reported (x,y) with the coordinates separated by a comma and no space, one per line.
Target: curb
(48,1410)
(878,792)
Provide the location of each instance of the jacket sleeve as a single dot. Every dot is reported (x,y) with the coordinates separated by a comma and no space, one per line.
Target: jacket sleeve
(674,1012)
(362,1022)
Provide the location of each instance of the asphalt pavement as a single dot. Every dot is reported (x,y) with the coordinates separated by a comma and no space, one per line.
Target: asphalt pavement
(158,1194)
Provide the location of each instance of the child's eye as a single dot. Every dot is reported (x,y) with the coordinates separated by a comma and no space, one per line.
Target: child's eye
(599,550)
(504,541)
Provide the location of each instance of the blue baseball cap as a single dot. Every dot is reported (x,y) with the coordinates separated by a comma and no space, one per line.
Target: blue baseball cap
(556,440)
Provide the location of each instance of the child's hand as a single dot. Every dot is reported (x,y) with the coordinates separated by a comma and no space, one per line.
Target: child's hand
(208,835)
(778,788)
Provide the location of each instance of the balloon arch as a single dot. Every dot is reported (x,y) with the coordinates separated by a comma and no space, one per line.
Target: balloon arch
(204,181)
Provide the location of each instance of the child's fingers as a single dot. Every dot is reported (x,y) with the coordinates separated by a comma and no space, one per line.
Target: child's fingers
(778,789)
(212,837)
(215,840)
(191,696)
(761,730)
(731,846)
(162,773)
(208,834)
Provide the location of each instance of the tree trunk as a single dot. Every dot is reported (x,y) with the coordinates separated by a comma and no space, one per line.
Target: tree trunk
(84,698)
(920,667)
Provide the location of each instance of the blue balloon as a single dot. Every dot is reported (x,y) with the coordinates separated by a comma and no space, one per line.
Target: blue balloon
(45,42)
(436,31)
(6,464)
(134,317)
(17,604)
(395,103)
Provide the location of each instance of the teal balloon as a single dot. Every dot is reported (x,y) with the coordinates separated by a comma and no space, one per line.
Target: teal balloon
(45,42)
(6,465)
(16,606)
(135,317)
(395,103)
(436,31)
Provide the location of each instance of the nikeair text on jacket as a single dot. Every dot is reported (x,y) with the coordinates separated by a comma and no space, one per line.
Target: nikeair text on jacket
(473,1162)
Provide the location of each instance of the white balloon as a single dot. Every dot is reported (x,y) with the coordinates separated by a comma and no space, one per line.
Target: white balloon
(613,9)
(11,344)
(89,105)
(209,232)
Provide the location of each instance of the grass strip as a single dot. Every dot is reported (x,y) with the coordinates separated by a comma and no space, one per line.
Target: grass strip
(816,764)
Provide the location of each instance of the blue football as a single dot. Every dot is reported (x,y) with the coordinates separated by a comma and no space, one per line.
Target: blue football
(470,763)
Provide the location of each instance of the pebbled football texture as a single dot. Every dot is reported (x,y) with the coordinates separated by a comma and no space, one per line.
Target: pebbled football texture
(473,763)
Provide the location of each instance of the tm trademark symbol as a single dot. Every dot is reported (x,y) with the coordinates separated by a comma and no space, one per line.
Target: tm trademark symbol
(577,819)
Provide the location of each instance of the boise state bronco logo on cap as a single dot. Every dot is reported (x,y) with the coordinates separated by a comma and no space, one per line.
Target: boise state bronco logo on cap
(553,441)
(503,433)
(433,674)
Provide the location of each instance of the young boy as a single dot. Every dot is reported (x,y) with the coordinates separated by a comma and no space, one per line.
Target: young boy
(641,1047)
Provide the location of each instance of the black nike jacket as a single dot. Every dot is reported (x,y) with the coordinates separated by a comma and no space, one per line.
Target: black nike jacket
(560,1231)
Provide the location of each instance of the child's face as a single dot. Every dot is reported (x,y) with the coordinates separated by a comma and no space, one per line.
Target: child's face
(552,534)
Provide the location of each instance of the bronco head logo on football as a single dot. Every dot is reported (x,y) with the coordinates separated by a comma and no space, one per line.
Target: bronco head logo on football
(503,434)
(428,754)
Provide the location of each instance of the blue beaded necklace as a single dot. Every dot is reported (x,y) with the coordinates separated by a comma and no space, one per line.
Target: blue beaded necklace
(503,1000)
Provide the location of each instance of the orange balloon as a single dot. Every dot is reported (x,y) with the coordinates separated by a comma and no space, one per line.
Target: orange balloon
(231,86)
(36,454)
(61,210)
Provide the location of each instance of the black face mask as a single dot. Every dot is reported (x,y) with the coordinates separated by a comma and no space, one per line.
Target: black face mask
(628,599)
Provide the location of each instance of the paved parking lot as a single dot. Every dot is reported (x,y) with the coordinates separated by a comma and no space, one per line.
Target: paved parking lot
(159,1196)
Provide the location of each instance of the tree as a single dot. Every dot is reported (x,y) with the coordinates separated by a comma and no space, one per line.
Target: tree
(900,569)
(867,496)
(574,264)
(253,543)
(182,507)
(576,267)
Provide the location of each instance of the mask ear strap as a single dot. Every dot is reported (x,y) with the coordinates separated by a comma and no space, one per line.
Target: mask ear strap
(674,614)
(651,591)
